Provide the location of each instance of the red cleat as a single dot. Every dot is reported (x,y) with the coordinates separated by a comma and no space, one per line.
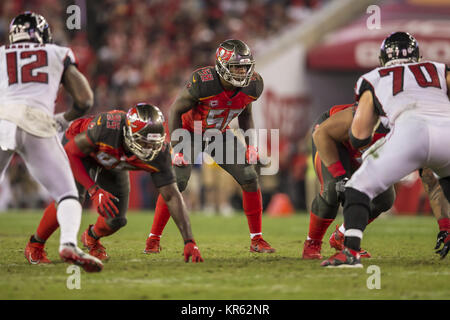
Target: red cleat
(71,254)
(346,258)
(258,244)
(35,253)
(152,245)
(311,250)
(337,242)
(96,249)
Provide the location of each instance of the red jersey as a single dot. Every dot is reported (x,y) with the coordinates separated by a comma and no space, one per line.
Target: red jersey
(216,107)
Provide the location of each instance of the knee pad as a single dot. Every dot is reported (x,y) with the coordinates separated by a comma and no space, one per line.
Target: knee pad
(323,209)
(117,222)
(382,203)
(356,209)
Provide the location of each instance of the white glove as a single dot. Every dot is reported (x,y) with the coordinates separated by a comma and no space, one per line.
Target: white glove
(61,123)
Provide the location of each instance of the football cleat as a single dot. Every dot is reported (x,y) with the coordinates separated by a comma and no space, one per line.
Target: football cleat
(311,249)
(94,246)
(35,253)
(337,242)
(347,258)
(258,244)
(152,245)
(72,254)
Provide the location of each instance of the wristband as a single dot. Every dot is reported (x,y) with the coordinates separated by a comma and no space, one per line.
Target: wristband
(336,169)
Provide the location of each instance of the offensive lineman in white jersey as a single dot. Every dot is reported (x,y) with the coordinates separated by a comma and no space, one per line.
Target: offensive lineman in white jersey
(410,97)
(31,69)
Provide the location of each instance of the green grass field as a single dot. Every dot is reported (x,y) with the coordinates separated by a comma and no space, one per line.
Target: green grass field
(402,247)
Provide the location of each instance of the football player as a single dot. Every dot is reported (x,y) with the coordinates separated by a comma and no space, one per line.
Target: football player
(31,70)
(410,97)
(214,96)
(335,160)
(101,150)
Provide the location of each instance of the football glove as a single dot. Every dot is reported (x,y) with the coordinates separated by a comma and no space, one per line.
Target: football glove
(443,237)
(340,189)
(178,160)
(61,123)
(103,201)
(191,250)
(251,155)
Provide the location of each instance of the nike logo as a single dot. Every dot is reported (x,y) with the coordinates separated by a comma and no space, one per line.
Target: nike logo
(31,260)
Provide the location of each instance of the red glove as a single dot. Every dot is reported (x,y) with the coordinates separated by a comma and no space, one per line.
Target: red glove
(191,249)
(103,201)
(179,161)
(251,155)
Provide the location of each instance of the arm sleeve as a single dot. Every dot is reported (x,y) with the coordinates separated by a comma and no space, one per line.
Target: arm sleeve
(166,174)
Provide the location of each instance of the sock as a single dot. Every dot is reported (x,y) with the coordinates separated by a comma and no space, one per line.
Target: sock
(101,228)
(317,226)
(48,225)
(353,239)
(252,204)
(162,216)
(69,218)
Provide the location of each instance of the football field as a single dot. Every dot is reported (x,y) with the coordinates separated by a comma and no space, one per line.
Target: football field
(403,266)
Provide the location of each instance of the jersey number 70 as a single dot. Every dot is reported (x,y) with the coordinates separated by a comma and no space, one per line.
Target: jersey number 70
(26,71)
(418,72)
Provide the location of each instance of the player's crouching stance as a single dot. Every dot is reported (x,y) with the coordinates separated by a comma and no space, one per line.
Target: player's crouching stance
(215,96)
(411,98)
(32,69)
(101,149)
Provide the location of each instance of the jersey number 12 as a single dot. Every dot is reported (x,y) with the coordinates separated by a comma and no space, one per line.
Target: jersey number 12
(26,71)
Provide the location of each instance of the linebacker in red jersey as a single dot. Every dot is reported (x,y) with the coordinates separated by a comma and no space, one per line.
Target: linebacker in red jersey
(335,159)
(214,96)
(101,150)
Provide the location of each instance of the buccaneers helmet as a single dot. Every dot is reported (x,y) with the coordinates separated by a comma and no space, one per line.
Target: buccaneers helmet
(399,47)
(144,132)
(29,26)
(234,53)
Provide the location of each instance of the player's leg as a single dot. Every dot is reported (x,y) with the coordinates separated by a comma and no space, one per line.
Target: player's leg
(48,164)
(162,213)
(384,164)
(324,207)
(118,184)
(246,176)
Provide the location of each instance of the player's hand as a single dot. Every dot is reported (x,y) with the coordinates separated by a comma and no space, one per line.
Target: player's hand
(103,201)
(61,123)
(443,237)
(191,250)
(340,189)
(179,160)
(251,155)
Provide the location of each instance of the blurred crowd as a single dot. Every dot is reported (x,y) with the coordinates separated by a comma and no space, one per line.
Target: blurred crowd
(133,51)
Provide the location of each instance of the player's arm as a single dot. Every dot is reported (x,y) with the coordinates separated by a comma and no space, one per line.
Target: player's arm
(78,87)
(329,133)
(81,147)
(364,121)
(245,120)
(439,207)
(182,104)
(178,212)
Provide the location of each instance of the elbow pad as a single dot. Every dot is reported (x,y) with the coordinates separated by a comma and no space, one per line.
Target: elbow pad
(358,143)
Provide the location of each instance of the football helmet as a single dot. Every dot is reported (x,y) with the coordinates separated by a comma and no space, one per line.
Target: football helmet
(234,53)
(144,131)
(399,47)
(29,26)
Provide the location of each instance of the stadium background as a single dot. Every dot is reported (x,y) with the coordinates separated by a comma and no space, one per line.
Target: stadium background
(309,52)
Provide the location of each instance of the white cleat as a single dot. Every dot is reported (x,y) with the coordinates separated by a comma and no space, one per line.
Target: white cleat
(72,254)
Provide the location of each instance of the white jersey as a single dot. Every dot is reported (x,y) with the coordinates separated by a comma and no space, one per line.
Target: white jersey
(417,87)
(30,74)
